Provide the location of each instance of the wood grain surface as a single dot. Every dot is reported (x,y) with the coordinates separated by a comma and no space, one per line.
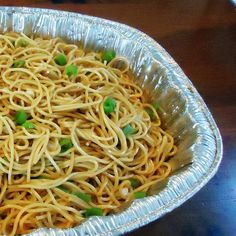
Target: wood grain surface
(201,37)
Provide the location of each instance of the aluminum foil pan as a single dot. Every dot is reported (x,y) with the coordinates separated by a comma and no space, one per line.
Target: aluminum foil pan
(184,113)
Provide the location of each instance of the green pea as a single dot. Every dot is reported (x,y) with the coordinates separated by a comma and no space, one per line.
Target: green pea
(66,144)
(22,43)
(128,130)
(71,70)
(28,125)
(20,117)
(62,188)
(94,211)
(60,59)
(138,195)
(108,55)
(109,105)
(156,105)
(83,196)
(18,64)
(134,182)
(150,112)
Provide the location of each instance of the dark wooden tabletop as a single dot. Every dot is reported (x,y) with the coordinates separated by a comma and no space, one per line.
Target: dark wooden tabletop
(201,37)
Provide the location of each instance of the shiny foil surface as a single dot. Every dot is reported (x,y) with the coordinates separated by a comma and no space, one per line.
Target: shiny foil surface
(184,113)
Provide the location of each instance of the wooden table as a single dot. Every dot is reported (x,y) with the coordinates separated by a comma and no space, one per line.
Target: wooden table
(201,37)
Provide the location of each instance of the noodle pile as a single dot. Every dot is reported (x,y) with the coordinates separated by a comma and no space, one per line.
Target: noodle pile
(110,157)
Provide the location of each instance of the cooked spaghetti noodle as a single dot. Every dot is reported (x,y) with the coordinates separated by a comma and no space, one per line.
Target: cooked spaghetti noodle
(77,137)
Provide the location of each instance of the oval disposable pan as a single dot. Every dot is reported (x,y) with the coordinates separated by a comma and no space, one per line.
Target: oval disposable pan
(184,113)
